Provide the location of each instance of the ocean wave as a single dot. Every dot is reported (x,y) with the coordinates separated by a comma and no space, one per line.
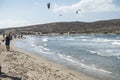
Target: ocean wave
(44,50)
(91,67)
(67,57)
(33,45)
(70,39)
(104,40)
(40,46)
(107,53)
(45,39)
(115,43)
(91,51)
(66,38)
(45,44)
(85,37)
(84,40)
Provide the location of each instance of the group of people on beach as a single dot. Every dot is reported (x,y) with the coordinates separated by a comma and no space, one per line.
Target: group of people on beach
(8,37)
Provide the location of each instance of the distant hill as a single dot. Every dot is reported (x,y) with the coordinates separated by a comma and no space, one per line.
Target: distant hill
(104,26)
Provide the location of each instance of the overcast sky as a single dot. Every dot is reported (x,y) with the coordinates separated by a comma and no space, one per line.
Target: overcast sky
(17,13)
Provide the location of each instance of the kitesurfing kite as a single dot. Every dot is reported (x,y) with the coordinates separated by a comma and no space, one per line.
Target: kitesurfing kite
(48,5)
(78,11)
(60,15)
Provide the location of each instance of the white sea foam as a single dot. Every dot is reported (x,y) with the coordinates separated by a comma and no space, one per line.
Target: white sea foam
(33,45)
(46,49)
(84,36)
(45,39)
(92,51)
(116,43)
(107,53)
(47,53)
(40,46)
(67,57)
(84,39)
(110,53)
(32,41)
(70,39)
(104,40)
(45,44)
(61,37)
(42,49)
(91,67)
(83,60)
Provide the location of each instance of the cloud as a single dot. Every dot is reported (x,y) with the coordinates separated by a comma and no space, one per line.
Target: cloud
(89,6)
(11,23)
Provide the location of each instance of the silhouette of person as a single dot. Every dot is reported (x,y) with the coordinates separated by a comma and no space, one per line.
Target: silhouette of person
(7,41)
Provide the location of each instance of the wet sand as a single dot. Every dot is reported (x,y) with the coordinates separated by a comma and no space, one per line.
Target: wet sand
(20,65)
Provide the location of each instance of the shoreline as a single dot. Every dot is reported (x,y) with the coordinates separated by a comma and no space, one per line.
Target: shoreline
(22,65)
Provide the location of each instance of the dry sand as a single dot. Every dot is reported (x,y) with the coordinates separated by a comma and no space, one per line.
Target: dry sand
(20,65)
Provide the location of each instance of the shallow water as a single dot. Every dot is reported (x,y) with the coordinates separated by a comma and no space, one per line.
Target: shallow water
(99,54)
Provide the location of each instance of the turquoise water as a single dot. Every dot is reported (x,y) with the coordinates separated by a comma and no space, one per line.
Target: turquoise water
(88,53)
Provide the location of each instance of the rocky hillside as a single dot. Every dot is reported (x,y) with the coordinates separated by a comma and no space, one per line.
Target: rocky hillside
(105,27)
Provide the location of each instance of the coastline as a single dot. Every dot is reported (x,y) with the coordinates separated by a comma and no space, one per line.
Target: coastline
(20,65)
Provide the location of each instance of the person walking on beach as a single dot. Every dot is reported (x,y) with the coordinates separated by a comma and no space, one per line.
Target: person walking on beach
(7,41)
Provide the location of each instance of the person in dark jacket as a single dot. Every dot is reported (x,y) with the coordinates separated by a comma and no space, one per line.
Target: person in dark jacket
(7,41)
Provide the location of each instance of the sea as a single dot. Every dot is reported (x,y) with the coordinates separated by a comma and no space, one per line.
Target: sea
(97,55)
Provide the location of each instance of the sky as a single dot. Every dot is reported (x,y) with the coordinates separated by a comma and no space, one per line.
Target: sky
(18,13)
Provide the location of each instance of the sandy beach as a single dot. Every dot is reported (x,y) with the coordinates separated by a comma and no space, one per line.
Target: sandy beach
(20,65)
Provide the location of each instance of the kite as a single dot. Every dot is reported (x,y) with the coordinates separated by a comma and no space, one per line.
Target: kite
(60,15)
(78,11)
(48,5)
